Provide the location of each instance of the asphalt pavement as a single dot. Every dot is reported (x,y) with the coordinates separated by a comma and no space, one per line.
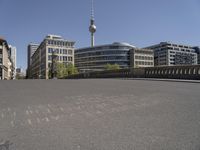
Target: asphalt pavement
(99,114)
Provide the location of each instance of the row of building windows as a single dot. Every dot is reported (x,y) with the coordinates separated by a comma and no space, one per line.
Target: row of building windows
(102,64)
(103,58)
(108,48)
(143,63)
(102,53)
(60,51)
(61,58)
(144,57)
(60,43)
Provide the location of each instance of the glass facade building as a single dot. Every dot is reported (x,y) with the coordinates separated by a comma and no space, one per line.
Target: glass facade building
(97,57)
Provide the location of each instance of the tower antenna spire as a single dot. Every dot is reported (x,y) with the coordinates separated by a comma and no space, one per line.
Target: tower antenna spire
(92,27)
(92,10)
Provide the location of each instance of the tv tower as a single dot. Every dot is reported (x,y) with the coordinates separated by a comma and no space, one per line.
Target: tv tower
(92,27)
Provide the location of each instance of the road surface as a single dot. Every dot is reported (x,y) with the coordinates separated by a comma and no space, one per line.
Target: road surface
(99,114)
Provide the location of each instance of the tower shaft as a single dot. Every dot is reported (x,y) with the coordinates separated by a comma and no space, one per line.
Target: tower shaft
(92,40)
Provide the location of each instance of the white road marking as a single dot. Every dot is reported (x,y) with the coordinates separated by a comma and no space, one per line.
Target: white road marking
(61,109)
(79,107)
(38,120)
(48,110)
(55,118)
(37,111)
(27,112)
(29,122)
(99,112)
(47,119)
(12,123)
(9,109)
(2,115)
(31,112)
(14,114)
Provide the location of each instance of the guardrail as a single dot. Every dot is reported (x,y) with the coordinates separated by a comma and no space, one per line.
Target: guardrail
(189,72)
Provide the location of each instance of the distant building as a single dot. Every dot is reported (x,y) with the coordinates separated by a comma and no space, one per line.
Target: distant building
(41,64)
(6,64)
(18,70)
(197,49)
(97,57)
(13,52)
(141,58)
(169,54)
(32,47)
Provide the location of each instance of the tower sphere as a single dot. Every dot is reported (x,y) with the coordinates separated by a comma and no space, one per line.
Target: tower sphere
(93,28)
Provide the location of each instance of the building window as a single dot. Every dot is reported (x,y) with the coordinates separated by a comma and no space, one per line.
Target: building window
(64,51)
(61,51)
(0,60)
(0,51)
(49,57)
(57,51)
(50,50)
(61,58)
(70,52)
(70,59)
(64,58)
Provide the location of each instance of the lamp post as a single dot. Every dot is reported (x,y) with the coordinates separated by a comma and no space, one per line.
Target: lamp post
(53,66)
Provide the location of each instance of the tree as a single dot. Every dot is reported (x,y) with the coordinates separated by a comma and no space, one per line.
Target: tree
(20,76)
(64,70)
(112,67)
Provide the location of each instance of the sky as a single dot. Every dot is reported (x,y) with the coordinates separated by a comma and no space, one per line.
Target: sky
(138,22)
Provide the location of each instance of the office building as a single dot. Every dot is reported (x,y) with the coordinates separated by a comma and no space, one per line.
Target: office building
(197,49)
(32,47)
(13,53)
(52,45)
(97,57)
(6,64)
(141,58)
(169,54)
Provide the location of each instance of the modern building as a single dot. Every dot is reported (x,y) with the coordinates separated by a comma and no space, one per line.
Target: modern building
(169,54)
(141,58)
(97,57)
(13,51)
(6,64)
(32,47)
(18,70)
(197,49)
(42,58)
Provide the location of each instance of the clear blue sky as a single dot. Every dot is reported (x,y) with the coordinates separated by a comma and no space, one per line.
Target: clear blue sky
(139,22)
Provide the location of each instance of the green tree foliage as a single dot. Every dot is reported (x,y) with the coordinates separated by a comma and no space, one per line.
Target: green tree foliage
(63,70)
(112,67)
(20,76)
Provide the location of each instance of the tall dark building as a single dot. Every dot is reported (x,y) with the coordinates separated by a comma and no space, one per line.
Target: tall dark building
(32,47)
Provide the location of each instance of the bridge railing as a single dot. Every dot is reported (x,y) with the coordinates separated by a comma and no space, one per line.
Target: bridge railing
(191,72)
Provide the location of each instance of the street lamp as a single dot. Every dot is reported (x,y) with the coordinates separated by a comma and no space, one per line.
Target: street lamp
(53,66)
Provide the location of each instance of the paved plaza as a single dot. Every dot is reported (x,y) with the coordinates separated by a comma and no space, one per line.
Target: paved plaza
(99,114)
